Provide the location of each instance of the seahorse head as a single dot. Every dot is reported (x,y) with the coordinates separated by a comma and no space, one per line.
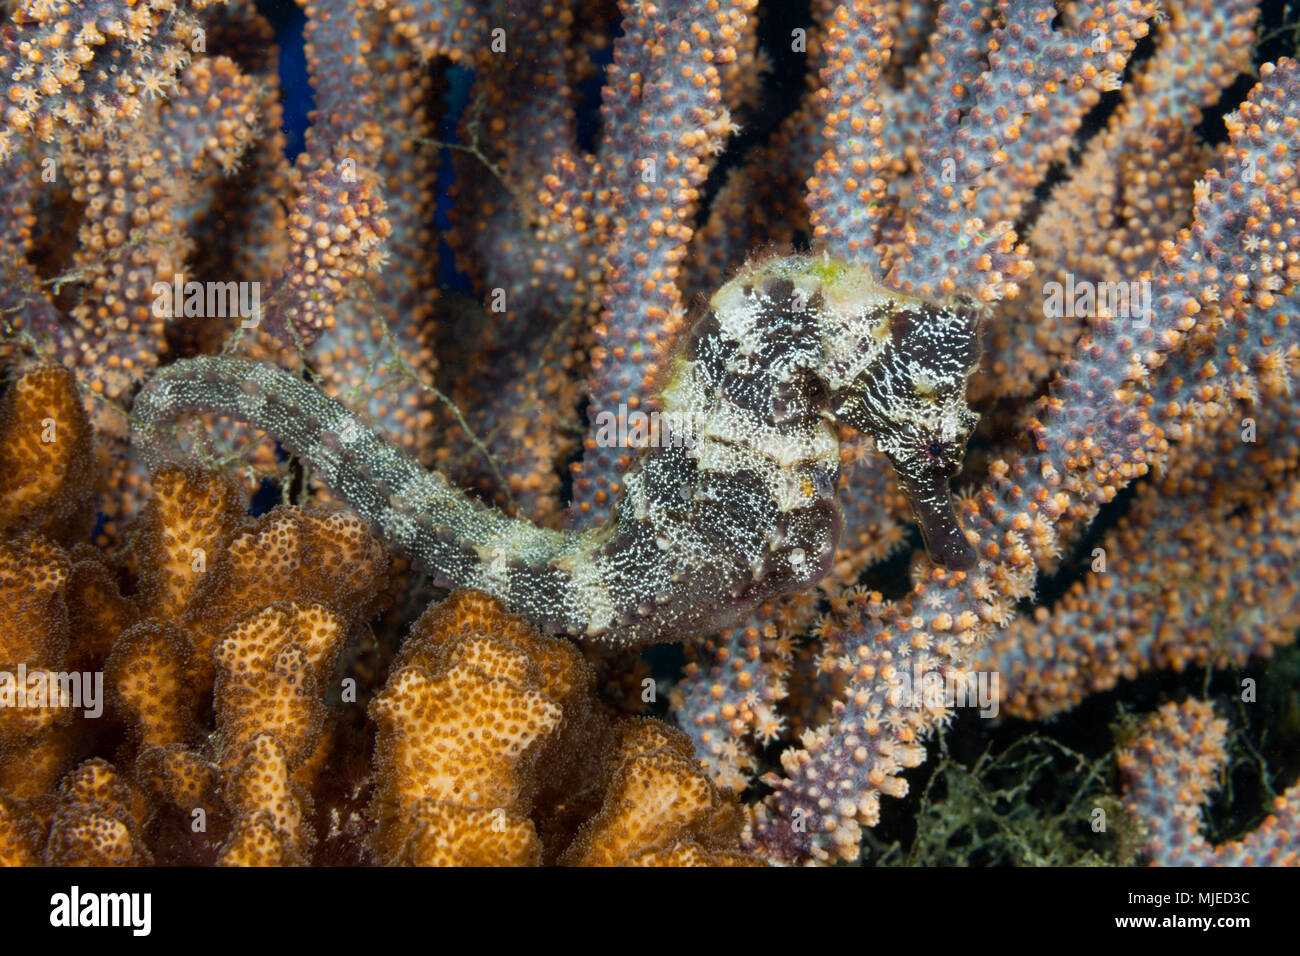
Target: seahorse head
(830,336)
(911,397)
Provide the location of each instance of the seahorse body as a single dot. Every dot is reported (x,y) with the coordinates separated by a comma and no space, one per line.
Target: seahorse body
(733,505)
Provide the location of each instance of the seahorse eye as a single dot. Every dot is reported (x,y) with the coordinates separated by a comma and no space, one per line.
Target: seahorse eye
(941,454)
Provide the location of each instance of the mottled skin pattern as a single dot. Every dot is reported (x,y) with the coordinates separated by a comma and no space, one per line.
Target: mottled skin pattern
(734,504)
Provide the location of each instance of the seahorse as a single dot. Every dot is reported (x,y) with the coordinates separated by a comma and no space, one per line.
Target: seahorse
(733,505)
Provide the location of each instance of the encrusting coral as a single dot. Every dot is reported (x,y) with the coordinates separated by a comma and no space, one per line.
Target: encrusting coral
(490,746)
(227,677)
(1011,204)
(47,489)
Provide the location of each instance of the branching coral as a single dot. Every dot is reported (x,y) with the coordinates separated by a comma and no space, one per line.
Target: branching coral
(1028,176)
(1169,770)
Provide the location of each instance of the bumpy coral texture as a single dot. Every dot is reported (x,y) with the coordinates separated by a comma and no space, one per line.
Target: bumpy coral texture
(1169,770)
(489,745)
(233,731)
